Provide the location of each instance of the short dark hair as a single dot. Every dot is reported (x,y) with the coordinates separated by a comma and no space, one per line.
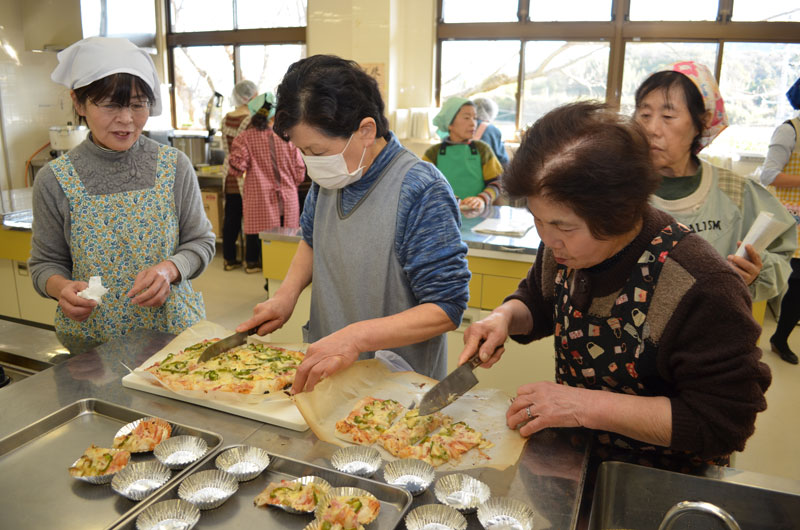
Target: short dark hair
(694,99)
(260,120)
(331,94)
(116,88)
(590,159)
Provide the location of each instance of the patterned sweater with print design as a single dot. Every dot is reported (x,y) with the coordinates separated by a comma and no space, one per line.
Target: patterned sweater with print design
(700,319)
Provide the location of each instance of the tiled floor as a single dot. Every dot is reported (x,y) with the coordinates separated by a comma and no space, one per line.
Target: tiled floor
(773,449)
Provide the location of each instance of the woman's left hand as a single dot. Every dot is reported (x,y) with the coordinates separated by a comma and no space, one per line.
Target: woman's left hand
(152,285)
(546,404)
(323,358)
(748,268)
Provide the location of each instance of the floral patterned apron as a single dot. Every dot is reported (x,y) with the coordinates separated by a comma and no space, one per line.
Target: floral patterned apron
(116,236)
(613,353)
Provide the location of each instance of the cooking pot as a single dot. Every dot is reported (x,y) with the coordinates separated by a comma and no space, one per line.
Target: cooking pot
(194,145)
(65,137)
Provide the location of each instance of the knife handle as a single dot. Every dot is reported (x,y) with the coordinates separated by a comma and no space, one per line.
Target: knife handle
(475,361)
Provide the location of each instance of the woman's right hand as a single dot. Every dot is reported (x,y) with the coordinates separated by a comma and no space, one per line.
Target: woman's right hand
(269,315)
(71,304)
(487,337)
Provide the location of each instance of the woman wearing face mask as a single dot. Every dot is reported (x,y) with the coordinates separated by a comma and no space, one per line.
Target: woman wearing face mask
(381,231)
(682,111)
(119,206)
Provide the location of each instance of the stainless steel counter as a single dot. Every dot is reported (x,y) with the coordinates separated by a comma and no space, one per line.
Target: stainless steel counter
(525,245)
(549,475)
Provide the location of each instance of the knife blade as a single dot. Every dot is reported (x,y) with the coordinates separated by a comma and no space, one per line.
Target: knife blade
(451,387)
(237,339)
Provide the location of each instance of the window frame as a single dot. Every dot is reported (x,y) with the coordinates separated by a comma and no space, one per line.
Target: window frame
(618,31)
(233,37)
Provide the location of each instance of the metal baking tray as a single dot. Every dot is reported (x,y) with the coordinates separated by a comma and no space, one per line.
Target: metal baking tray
(40,493)
(240,512)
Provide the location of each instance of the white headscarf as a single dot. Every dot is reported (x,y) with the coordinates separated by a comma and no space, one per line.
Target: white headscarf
(94,58)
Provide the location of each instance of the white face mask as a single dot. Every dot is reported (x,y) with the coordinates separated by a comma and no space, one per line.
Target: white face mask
(330,171)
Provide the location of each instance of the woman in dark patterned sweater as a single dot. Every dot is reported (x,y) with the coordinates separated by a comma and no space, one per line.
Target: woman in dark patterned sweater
(655,343)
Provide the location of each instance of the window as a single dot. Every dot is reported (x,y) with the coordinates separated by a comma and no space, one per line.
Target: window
(200,71)
(260,14)
(766,10)
(483,68)
(265,65)
(201,15)
(690,10)
(600,49)
(754,81)
(557,72)
(120,18)
(242,39)
(572,11)
(645,58)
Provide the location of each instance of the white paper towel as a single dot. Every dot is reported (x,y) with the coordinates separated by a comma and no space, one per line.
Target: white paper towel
(95,291)
(763,232)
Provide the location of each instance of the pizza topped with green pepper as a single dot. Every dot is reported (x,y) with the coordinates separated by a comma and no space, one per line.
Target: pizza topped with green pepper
(247,369)
(369,418)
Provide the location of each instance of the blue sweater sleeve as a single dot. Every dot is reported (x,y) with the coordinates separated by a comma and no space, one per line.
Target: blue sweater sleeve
(307,217)
(428,241)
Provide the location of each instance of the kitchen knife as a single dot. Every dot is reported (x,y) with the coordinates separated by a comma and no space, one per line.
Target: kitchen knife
(450,388)
(237,339)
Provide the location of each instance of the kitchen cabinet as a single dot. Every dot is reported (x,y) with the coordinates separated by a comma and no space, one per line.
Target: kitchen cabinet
(22,300)
(32,306)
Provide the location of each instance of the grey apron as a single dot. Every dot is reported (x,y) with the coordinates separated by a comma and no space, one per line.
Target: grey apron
(357,275)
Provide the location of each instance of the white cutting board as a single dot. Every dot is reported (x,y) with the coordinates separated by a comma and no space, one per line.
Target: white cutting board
(280,412)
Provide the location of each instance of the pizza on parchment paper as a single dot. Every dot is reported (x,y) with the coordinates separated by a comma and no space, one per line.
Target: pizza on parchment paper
(373,419)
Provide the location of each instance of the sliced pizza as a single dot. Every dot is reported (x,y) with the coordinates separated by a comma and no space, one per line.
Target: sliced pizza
(247,369)
(292,494)
(148,433)
(98,461)
(452,441)
(349,512)
(369,418)
(409,430)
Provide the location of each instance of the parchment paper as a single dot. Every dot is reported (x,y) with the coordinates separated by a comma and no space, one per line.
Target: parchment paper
(197,333)
(483,410)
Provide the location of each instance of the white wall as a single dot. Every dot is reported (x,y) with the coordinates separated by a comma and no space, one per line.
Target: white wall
(397,33)
(30,103)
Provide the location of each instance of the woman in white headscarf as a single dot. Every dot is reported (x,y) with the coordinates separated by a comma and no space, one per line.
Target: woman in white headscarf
(119,206)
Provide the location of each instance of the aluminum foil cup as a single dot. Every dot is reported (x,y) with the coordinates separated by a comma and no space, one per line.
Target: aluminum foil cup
(208,489)
(409,473)
(435,517)
(501,513)
(340,492)
(180,451)
(245,462)
(357,460)
(174,514)
(313,525)
(127,429)
(461,491)
(137,480)
(324,485)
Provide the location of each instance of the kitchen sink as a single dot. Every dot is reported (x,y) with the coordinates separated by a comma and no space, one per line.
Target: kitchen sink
(628,496)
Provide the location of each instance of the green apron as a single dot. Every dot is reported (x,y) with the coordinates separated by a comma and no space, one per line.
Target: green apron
(461,166)
(116,236)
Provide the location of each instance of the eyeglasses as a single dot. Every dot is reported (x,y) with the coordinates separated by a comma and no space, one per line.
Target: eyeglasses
(112,109)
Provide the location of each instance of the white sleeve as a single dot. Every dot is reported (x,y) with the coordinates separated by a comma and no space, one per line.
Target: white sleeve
(780,150)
